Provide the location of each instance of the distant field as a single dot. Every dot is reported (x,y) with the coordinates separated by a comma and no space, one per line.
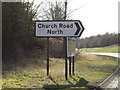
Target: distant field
(109,49)
(90,71)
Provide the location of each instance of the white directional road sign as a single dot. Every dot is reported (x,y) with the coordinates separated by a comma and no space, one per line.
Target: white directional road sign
(72,28)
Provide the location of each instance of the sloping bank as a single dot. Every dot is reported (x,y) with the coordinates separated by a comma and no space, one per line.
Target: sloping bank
(90,71)
(112,80)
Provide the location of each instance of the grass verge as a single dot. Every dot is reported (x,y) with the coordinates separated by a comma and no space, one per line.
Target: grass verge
(109,49)
(90,71)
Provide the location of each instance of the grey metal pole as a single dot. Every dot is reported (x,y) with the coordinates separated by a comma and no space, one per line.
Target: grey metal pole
(73,66)
(65,46)
(70,66)
(47,56)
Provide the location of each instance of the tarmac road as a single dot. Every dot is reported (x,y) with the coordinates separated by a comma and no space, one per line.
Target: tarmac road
(115,83)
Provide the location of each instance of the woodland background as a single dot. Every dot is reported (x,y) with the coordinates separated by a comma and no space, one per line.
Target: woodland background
(19,41)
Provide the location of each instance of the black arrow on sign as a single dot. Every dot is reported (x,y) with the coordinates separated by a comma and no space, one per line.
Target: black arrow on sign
(78,29)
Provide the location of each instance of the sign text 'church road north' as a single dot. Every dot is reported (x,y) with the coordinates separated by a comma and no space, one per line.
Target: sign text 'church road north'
(58,28)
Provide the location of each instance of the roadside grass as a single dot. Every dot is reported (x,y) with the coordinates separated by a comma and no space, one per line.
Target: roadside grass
(90,71)
(110,49)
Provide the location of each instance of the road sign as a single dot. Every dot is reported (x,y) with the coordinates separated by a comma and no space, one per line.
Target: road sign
(72,28)
(71,45)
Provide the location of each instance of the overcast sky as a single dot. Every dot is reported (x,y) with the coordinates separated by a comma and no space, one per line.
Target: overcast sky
(97,16)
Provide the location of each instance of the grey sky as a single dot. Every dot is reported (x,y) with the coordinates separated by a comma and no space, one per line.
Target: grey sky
(97,16)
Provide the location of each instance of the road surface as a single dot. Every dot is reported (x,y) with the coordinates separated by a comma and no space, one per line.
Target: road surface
(115,83)
(108,54)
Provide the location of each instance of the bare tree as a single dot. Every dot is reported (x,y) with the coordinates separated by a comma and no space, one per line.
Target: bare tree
(55,11)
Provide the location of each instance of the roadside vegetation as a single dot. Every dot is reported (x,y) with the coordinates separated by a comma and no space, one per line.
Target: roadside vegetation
(24,55)
(108,49)
(90,71)
(103,40)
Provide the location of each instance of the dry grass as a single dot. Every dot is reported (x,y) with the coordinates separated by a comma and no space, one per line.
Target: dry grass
(90,71)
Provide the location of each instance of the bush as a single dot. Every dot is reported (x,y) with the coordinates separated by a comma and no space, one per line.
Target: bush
(56,48)
(78,54)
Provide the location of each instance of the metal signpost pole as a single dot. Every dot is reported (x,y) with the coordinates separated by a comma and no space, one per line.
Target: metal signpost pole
(70,66)
(47,56)
(65,45)
(65,50)
(73,65)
